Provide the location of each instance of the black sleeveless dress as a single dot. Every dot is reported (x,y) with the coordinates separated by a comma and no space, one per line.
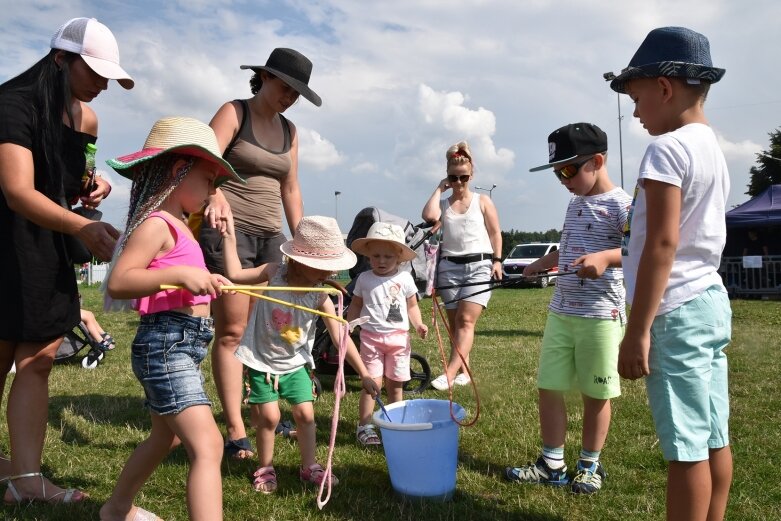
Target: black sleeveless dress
(39,300)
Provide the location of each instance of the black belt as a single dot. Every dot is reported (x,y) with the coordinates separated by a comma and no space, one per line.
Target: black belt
(466,259)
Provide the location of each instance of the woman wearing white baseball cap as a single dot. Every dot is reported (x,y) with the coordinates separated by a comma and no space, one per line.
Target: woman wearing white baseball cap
(45,127)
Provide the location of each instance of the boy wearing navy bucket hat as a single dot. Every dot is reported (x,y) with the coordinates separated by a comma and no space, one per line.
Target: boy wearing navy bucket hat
(680,320)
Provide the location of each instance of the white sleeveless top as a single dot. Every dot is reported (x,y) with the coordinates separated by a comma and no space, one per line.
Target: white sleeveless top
(464,233)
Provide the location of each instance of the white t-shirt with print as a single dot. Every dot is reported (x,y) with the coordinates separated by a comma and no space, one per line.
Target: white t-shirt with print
(691,159)
(385,300)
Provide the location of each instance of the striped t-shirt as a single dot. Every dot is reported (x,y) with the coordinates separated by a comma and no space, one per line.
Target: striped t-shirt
(593,223)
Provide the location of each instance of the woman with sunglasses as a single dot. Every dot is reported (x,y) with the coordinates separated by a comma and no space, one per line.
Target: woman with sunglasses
(45,126)
(471,251)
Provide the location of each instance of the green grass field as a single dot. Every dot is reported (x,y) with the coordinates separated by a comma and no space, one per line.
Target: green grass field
(96,419)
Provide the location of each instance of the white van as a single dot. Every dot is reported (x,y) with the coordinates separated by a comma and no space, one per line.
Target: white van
(524,254)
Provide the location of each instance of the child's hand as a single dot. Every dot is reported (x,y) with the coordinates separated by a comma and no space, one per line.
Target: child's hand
(633,356)
(531,270)
(422,330)
(370,386)
(225,225)
(199,281)
(590,266)
(221,281)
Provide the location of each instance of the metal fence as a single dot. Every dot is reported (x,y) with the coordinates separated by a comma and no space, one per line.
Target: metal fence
(745,276)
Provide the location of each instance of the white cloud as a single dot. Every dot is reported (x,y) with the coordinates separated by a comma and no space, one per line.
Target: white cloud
(365,168)
(314,151)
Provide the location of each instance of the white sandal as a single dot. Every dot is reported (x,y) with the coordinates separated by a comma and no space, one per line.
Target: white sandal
(367,435)
(67,494)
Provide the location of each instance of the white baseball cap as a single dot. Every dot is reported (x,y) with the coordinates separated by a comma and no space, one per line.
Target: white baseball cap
(97,46)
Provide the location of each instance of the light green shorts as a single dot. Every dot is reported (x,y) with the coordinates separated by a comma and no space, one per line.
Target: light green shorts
(584,350)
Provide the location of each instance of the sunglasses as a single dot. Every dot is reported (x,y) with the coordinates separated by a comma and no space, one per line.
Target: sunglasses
(462,178)
(571,170)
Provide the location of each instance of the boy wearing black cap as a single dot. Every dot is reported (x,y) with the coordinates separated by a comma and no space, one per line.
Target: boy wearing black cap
(587,313)
(680,321)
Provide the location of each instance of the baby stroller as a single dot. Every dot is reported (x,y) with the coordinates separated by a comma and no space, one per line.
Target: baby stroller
(324,351)
(75,341)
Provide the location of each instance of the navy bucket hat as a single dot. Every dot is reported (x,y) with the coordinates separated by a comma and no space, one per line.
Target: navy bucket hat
(673,52)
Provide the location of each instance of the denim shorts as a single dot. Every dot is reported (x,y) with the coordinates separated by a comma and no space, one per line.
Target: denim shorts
(166,357)
(687,387)
(450,274)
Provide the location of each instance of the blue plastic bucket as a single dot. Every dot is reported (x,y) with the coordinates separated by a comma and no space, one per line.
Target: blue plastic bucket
(421,447)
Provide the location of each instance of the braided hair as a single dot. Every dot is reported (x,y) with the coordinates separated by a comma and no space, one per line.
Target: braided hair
(459,154)
(152,184)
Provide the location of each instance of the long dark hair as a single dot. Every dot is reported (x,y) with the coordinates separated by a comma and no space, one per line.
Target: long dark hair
(49,84)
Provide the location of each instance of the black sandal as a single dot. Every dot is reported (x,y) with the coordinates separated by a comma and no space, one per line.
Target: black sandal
(234,447)
(286,429)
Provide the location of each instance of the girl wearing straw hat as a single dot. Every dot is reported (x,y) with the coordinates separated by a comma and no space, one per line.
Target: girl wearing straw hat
(277,345)
(389,297)
(45,126)
(177,169)
(262,145)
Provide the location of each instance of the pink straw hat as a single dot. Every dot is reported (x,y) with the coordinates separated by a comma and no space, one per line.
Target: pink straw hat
(318,243)
(186,136)
(384,232)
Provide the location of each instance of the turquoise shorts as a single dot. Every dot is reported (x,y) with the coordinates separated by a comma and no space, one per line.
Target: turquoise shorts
(687,387)
(295,387)
(584,350)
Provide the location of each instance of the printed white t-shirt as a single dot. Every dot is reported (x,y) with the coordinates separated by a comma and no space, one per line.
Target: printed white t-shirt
(385,300)
(689,158)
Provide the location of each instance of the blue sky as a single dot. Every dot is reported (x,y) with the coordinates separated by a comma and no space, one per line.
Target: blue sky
(402,80)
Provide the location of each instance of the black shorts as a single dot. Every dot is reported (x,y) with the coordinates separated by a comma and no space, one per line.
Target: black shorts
(253,250)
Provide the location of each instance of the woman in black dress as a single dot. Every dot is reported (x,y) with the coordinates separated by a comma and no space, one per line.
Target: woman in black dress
(45,125)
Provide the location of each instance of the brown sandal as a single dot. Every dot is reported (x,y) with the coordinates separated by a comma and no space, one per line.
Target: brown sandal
(265,480)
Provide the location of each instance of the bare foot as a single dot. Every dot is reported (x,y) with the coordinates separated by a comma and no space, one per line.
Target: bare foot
(134,514)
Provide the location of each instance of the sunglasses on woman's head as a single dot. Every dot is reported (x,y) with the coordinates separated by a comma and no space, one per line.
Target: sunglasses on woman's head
(462,178)
(571,170)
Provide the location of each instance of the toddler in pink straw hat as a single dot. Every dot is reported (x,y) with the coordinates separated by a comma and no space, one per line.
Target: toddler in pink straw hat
(277,343)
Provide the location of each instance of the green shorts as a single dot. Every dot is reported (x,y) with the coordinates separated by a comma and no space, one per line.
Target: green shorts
(581,349)
(295,387)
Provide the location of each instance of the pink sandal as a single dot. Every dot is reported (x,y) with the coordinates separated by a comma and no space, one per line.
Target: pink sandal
(315,473)
(265,480)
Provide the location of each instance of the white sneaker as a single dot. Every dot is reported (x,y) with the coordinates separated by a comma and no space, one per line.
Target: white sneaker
(440,383)
(462,379)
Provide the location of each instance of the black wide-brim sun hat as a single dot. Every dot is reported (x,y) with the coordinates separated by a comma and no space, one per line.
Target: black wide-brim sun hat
(293,68)
(675,52)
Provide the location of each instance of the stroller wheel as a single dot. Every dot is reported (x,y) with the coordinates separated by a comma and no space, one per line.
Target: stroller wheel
(89,363)
(420,374)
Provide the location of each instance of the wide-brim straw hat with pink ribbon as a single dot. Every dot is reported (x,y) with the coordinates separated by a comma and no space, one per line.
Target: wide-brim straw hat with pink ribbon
(388,233)
(186,136)
(318,243)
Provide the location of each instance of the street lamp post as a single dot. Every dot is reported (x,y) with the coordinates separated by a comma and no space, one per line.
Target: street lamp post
(336,205)
(489,190)
(609,76)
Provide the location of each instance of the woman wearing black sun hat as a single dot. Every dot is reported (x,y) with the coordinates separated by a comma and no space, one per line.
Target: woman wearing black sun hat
(262,146)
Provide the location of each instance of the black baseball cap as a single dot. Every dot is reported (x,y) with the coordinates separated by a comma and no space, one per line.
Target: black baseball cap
(573,140)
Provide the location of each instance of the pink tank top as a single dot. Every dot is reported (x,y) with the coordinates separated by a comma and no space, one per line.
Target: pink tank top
(186,252)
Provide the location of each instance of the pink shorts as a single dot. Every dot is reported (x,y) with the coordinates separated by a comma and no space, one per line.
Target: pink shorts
(390,351)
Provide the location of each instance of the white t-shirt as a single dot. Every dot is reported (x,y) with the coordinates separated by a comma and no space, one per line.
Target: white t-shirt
(689,158)
(592,223)
(385,300)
